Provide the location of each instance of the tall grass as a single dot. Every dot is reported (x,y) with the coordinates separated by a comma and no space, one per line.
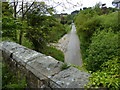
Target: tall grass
(55,53)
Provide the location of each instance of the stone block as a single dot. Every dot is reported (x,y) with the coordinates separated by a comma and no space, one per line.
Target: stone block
(9,47)
(46,65)
(1,44)
(71,78)
(19,53)
(24,55)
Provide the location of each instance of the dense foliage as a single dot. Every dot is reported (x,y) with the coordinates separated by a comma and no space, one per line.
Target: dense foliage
(10,80)
(34,29)
(10,27)
(98,31)
(104,47)
(108,77)
(43,30)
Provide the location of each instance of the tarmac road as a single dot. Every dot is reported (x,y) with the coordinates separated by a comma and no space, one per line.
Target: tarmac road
(72,54)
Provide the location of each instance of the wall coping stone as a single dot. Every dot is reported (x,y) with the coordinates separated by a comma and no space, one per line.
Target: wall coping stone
(45,67)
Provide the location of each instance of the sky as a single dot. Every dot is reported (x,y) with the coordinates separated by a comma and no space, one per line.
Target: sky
(66,6)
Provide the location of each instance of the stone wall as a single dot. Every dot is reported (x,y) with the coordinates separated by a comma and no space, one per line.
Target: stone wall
(41,71)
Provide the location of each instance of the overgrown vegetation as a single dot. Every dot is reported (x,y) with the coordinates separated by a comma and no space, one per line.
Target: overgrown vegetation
(10,80)
(51,51)
(32,26)
(68,28)
(108,77)
(103,47)
(65,66)
(98,30)
(33,29)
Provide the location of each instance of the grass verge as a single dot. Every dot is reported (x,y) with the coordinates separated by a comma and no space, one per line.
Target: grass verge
(68,28)
(55,53)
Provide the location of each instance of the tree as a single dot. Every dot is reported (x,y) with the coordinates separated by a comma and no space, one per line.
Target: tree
(6,9)
(116,3)
(21,12)
(0,19)
(41,27)
(8,22)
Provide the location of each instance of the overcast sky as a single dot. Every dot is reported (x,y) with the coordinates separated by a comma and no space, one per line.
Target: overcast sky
(66,6)
(82,3)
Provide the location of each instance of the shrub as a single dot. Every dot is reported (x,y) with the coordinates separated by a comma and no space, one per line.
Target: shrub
(103,79)
(11,80)
(85,32)
(87,23)
(104,46)
(47,29)
(112,66)
(10,27)
(109,76)
(110,20)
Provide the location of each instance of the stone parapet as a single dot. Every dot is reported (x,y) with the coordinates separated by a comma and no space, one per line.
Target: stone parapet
(41,71)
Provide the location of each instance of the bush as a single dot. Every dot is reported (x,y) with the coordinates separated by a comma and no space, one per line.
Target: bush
(67,28)
(85,32)
(112,67)
(45,30)
(10,80)
(10,27)
(109,76)
(110,20)
(99,46)
(103,79)
(104,46)
(87,23)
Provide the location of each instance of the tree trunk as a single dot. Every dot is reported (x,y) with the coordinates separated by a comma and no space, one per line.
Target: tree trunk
(21,31)
(14,9)
(23,14)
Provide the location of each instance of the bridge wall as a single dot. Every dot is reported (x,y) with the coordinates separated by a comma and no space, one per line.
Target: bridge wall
(41,71)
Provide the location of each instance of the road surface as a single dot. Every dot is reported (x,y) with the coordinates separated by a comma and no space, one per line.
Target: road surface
(72,54)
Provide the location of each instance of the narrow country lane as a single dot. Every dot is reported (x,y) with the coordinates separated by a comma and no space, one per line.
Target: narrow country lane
(72,54)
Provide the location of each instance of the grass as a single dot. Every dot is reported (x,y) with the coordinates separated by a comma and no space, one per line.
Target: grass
(11,80)
(68,28)
(81,68)
(51,51)
(65,66)
(6,38)
(27,43)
